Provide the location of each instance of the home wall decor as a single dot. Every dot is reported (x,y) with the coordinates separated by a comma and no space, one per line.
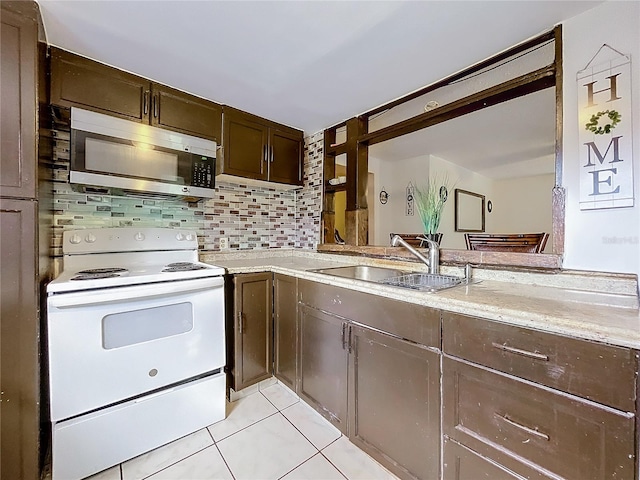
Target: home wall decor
(605,131)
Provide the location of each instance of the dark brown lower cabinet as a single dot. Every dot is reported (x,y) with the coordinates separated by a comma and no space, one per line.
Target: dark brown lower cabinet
(462,463)
(19,334)
(253,325)
(561,435)
(323,364)
(394,402)
(285,329)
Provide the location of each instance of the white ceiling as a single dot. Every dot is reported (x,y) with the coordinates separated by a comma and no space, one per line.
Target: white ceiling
(306,64)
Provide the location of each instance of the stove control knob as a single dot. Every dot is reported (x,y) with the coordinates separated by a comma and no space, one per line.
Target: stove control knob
(90,238)
(75,239)
(179,236)
(139,236)
(191,237)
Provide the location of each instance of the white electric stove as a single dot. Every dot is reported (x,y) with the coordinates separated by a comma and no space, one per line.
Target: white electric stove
(136,346)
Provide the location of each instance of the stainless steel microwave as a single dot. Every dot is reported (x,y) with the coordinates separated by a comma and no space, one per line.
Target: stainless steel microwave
(132,158)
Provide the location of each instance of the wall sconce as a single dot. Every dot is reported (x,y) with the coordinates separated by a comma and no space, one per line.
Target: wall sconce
(384,196)
(489,206)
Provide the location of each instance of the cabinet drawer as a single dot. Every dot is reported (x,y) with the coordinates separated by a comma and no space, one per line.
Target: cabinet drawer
(584,368)
(462,463)
(570,437)
(406,320)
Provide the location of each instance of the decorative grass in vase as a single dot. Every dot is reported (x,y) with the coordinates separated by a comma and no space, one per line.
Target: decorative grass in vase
(430,200)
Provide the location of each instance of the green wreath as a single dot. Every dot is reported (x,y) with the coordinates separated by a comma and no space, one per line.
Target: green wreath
(592,125)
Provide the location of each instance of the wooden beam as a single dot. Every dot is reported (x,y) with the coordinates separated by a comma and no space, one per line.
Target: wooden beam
(357,164)
(514,88)
(545,37)
(559,194)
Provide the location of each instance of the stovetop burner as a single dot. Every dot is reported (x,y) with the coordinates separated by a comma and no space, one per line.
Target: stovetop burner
(93,276)
(103,270)
(182,267)
(98,273)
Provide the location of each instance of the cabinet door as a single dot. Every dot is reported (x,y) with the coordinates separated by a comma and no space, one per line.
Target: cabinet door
(18,99)
(285,291)
(179,111)
(394,402)
(285,156)
(253,329)
(323,364)
(19,330)
(80,82)
(245,145)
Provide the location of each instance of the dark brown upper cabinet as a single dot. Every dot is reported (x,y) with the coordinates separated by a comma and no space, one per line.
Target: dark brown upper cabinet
(259,149)
(80,82)
(18,81)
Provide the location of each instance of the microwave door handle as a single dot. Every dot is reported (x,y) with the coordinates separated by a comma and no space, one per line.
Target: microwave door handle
(138,292)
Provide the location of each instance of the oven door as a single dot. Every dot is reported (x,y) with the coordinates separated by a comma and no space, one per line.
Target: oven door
(112,344)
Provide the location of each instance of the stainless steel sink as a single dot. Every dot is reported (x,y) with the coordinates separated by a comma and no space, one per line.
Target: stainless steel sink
(362,272)
(428,282)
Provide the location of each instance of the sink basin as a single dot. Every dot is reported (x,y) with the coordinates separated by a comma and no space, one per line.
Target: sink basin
(424,281)
(362,272)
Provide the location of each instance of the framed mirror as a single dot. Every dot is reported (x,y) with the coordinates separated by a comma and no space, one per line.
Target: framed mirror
(469,211)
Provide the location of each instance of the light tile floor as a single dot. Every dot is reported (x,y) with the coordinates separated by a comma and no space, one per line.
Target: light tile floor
(268,434)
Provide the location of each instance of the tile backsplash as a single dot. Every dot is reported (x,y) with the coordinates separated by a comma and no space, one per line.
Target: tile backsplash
(250,217)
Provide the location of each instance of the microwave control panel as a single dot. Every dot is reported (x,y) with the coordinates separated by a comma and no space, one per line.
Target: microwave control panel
(202,172)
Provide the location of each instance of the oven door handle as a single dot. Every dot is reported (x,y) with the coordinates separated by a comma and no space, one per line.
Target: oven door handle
(137,292)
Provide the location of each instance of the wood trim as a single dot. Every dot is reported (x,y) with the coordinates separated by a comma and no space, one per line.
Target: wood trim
(463,73)
(517,87)
(558,207)
(328,204)
(559,195)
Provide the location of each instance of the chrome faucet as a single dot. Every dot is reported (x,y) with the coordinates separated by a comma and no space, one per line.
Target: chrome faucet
(433,262)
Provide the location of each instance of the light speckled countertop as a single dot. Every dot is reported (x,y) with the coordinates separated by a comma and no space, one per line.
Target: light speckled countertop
(577,304)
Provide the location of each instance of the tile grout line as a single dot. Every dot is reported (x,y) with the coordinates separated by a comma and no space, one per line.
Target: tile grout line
(175,463)
(296,428)
(225,461)
(327,458)
(274,405)
(297,466)
(243,428)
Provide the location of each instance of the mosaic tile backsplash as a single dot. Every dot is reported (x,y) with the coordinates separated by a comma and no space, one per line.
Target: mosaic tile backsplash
(250,217)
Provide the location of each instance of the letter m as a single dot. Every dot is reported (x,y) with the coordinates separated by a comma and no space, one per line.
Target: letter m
(592,147)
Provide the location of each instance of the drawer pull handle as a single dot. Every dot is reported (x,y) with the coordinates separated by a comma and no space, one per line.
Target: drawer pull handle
(344,336)
(519,351)
(531,431)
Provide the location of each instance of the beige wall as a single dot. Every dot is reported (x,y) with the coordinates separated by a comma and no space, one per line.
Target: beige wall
(523,205)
